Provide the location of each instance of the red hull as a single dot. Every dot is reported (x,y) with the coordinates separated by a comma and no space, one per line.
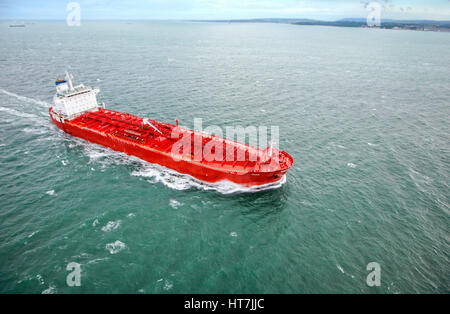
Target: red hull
(107,128)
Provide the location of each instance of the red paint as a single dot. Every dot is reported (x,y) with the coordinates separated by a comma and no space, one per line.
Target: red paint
(125,133)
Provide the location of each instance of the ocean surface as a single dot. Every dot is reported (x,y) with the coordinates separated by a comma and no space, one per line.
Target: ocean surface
(363,112)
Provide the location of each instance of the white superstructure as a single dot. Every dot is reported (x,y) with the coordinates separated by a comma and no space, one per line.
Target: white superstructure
(70,101)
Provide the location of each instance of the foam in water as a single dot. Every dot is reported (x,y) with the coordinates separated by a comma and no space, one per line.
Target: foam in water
(26,99)
(32,234)
(95,261)
(50,290)
(34,131)
(28,118)
(115,247)
(168,285)
(40,279)
(19,114)
(39,118)
(174,204)
(159,174)
(342,271)
(179,181)
(111,225)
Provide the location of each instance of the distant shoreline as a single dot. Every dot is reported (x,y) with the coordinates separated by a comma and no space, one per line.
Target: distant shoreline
(415,25)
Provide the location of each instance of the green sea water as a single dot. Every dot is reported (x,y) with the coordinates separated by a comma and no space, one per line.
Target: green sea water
(364,113)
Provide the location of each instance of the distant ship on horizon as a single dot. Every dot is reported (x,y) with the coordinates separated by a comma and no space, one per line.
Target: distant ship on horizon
(17,25)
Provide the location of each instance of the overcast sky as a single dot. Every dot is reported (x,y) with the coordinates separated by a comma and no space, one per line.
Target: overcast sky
(223,9)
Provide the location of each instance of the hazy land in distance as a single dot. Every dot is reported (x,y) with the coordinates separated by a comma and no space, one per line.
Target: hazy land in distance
(417,25)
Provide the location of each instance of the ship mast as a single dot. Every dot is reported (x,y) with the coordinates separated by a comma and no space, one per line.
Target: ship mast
(69,78)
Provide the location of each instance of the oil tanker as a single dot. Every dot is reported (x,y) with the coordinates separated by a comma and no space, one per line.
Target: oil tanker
(206,157)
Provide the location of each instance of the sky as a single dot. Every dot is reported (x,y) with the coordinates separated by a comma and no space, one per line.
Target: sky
(223,9)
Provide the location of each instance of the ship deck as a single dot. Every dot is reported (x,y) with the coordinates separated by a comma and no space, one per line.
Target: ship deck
(236,157)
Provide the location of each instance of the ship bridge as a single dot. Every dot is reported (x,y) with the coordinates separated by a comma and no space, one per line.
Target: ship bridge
(70,101)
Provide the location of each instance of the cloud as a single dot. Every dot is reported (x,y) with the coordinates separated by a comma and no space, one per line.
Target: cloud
(223,9)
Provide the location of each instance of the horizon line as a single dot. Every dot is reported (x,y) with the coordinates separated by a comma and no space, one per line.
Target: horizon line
(224,20)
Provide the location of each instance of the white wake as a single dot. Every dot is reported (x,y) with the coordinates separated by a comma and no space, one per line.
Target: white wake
(177,181)
(26,99)
(153,173)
